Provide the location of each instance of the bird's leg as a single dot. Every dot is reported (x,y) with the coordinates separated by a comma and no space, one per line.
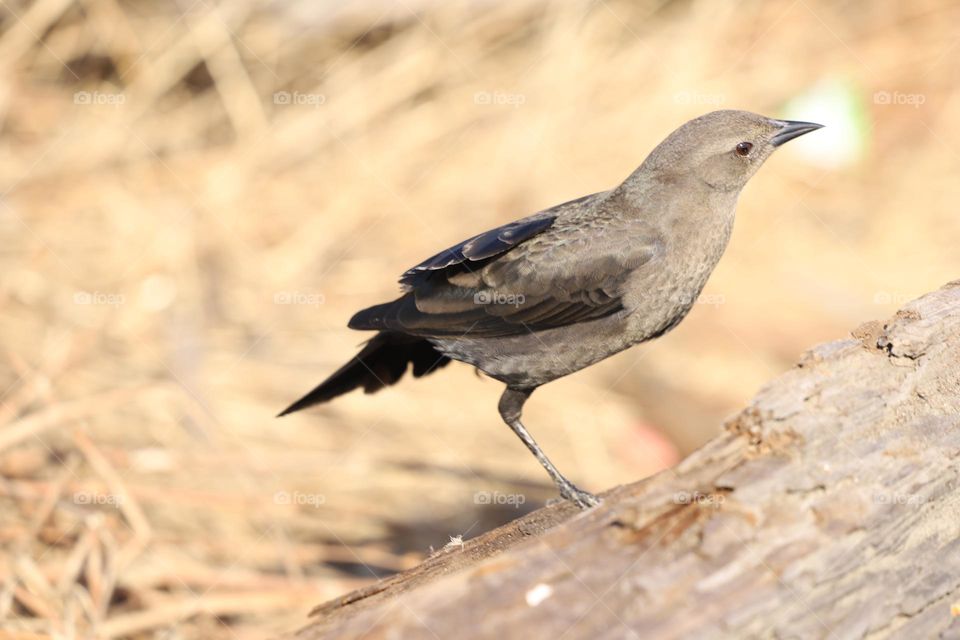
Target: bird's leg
(511,406)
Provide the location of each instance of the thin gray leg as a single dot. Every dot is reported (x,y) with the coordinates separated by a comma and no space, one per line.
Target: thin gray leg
(511,406)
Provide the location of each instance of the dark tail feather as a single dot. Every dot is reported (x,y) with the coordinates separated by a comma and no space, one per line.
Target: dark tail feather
(381,362)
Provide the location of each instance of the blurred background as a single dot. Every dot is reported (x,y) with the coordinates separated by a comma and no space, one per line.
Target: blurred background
(195,197)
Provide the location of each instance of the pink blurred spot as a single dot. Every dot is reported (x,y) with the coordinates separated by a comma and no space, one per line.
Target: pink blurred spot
(646,450)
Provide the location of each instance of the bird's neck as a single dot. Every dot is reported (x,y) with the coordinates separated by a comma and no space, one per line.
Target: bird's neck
(679,201)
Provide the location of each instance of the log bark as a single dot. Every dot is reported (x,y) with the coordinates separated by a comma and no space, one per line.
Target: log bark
(828,508)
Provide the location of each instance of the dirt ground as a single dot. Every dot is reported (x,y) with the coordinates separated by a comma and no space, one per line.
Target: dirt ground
(195,197)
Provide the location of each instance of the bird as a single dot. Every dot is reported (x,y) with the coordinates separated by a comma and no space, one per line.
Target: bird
(545,296)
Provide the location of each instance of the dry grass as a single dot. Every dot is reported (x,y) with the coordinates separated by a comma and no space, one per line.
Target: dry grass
(162,207)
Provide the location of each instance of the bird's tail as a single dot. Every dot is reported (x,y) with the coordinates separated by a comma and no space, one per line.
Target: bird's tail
(382,361)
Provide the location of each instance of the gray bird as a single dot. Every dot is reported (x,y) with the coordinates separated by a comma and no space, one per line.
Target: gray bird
(552,293)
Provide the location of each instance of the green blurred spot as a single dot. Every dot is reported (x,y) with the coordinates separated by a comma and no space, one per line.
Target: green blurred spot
(839,104)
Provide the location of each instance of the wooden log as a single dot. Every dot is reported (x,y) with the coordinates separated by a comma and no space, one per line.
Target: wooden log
(828,508)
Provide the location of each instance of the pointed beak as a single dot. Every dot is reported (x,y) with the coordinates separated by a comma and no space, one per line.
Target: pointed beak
(790,129)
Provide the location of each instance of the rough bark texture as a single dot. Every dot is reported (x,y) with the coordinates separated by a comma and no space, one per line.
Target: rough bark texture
(830,507)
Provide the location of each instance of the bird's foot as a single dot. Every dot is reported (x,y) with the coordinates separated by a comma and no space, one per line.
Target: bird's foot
(579,497)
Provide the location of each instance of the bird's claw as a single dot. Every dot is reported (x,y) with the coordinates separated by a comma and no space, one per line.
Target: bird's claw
(579,497)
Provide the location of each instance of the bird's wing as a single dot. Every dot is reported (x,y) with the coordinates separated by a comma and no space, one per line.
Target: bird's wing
(473,253)
(563,276)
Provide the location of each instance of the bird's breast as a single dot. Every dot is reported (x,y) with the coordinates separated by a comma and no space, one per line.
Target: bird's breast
(660,294)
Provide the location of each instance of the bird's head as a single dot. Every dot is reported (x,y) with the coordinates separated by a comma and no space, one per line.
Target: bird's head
(722,149)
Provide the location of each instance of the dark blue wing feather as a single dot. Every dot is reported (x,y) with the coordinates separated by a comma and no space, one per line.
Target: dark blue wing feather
(480,247)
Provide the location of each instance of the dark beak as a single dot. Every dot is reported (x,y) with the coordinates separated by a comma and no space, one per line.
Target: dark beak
(791,129)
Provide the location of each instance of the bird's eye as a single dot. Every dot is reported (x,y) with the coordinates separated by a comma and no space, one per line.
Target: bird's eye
(744,148)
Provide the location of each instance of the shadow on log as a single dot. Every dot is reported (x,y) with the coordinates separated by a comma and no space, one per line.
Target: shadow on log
(829,507)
